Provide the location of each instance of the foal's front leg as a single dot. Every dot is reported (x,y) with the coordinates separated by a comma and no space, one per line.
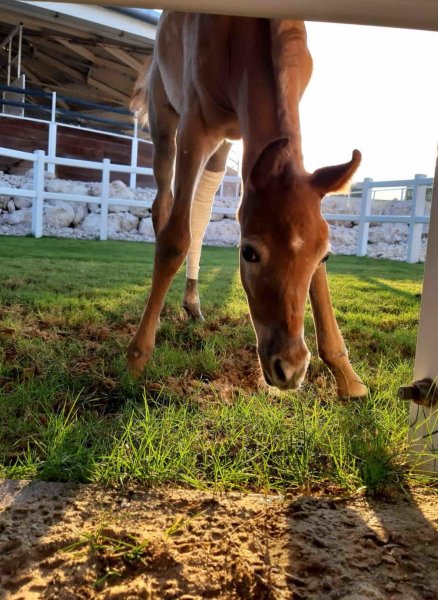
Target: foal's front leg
(331,347)
(208,185)
(173,240)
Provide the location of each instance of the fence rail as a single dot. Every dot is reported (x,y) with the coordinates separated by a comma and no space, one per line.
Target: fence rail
(52,120)
(52,110)
(42,163)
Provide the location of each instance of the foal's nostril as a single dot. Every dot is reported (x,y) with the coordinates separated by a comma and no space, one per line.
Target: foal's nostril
(267,378)
(279,370)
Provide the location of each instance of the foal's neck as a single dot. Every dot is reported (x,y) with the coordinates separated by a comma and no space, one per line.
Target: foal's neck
(270,90)
(262,125)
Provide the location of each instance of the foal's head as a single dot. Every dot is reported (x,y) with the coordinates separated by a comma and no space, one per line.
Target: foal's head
(284,239)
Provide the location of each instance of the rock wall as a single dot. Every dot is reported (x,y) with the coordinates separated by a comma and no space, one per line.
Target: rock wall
(82,219)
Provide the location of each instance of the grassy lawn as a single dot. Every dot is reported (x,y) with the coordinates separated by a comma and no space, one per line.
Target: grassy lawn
(200,415)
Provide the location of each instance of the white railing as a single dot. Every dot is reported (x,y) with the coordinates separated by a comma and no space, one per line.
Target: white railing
(415,220)
(38,194)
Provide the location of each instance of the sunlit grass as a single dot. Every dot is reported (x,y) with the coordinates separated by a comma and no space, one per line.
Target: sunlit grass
(199,417)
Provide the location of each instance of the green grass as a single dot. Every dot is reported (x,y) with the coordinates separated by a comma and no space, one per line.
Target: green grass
(69,411)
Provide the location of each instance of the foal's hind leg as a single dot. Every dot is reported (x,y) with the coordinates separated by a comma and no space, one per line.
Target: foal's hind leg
(163,121)
(173,240)
(331,347)
(209,182)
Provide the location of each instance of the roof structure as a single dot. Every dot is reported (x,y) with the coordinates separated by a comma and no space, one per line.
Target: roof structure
(87,52)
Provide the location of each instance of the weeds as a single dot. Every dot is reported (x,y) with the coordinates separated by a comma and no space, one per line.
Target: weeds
(116,554)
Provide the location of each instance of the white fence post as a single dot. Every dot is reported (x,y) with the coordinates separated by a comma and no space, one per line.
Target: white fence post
(134,154)
(53,133)
(416,229)
(423,426)
(105,199)
(365,209)
(38,200)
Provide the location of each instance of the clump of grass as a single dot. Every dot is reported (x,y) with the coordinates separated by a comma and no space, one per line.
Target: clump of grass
(70,412)
(115,554)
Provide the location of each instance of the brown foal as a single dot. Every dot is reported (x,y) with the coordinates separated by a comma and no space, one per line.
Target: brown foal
(214,79)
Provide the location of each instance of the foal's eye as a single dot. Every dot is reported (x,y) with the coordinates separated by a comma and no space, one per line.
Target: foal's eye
(325,259)
(249,254)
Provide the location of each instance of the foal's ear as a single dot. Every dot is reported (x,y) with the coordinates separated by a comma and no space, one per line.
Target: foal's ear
(335,178)
(271,163)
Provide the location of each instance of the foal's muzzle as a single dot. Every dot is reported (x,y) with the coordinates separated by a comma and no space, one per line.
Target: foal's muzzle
(286,370)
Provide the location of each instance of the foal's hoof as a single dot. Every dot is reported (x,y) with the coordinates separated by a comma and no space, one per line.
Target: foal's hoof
(137,359)
(352,389)
(193,311)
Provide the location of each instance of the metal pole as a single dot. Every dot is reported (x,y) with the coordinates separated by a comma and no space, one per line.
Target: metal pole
(8,80)
(10,36)
(134,154)
(364,226)
(417,210)
(53,133)
(105,198)
(38,200)
(423,426)
(20,41)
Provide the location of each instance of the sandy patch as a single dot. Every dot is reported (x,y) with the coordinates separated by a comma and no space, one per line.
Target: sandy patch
(63,541)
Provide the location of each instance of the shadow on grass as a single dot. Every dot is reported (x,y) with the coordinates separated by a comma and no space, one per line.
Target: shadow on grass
(359,267)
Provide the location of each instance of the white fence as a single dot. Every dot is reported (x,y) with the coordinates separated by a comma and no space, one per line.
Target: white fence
(415,220)
(42,163)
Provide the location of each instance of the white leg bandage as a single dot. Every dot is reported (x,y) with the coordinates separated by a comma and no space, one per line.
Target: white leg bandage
(200,217)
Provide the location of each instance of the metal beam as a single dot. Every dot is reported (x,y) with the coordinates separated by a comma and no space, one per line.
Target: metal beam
(76,48)
(33,76)
(10,36)
(91,56)
(61,67)
(109,90)
(410,14)
(95,20)
(47,45)
(112,65)
(124,57)
(35,23)
(43,75)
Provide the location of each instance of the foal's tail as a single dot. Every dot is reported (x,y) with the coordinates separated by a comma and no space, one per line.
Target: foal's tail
(139,98)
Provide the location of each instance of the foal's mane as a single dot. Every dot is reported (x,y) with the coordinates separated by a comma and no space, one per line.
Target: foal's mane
(292,65)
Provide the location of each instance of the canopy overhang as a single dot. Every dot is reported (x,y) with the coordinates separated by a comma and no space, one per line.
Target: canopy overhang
(89,52)
(410,14)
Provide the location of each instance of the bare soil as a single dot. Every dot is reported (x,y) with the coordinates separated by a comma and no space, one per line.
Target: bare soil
(64,541)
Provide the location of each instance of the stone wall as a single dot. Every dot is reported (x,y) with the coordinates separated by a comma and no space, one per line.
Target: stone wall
(82,219)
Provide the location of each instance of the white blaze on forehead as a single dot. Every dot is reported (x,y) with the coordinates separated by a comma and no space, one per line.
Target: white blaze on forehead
(297,242)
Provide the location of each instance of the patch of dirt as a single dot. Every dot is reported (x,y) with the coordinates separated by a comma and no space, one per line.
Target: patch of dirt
(64,541)
(239,370)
